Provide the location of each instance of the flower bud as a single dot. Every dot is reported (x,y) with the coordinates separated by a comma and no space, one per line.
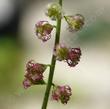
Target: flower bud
(34,74)
(61,93)
(54,11)
(61,52)
(75,22)
(43,30)
(73,56)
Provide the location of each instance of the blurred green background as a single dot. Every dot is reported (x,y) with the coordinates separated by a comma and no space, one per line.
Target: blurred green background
(90,79)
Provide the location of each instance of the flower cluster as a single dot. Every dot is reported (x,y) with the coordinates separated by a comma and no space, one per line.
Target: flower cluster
(61,93)
(43,30)
(34,74)
(69,55)
(54,11)
(75,22)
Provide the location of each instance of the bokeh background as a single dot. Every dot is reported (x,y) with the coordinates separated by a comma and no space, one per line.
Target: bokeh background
(90,79)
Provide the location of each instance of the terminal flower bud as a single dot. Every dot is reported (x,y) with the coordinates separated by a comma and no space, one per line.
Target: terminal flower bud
(61,52)
(73,56)
(34,74)
(43,30)
(75,22)
(61,93)
(54,11)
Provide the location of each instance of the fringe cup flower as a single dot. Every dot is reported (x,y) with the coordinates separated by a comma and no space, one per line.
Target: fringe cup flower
(73,56)
(75,22)
(69,55)
(43,30)
(34,74)
(61,52)
(54,11)
(61,93)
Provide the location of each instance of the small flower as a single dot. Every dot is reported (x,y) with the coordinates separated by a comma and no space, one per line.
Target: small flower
(69,55)
(34,74)
(43,30)
(54,11)
(61,52)
(75,22)
(73,56)
(32,67)
(26,83)
(61,93)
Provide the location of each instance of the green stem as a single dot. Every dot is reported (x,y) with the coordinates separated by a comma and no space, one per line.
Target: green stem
(67,20)
(53,62)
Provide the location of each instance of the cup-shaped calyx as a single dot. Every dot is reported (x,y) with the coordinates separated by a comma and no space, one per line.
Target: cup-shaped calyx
(75,22)
(43,30)
(61,52)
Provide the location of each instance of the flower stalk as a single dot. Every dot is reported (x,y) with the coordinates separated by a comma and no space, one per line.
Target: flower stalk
(53,62)
(34,74)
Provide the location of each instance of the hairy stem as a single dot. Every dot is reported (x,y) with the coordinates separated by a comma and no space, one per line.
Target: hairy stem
(53,62)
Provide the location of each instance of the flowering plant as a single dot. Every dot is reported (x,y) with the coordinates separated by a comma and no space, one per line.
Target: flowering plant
(34,71)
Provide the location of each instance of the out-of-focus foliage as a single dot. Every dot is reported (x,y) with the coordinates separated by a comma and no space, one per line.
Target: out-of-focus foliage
(10,58)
